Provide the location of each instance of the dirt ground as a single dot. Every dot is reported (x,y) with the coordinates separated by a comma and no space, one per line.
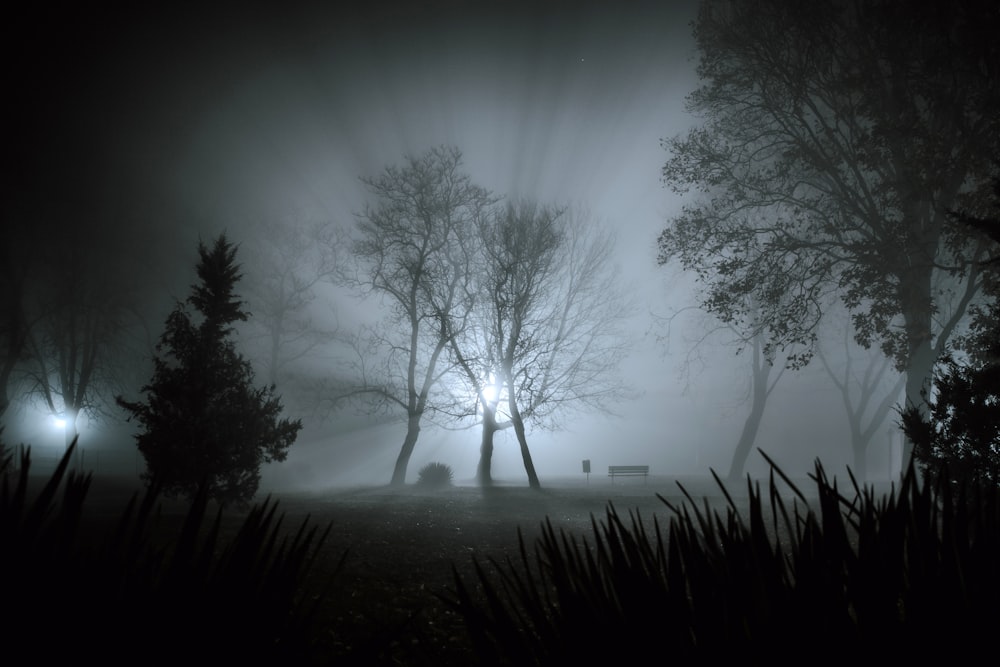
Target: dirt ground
(392,553)
(401,548)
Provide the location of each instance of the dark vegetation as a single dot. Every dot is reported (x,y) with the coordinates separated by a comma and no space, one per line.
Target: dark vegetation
(856,574)
(206,427)
(822,578)
(128,595)
(435,475)
(820,182)
(518,303)
(762,577)
(960,438)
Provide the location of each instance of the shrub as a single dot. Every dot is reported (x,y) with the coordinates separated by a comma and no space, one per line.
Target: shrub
(960,438)
(435,475)
(787,585)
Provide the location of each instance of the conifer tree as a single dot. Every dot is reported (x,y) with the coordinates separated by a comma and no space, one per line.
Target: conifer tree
(204,421)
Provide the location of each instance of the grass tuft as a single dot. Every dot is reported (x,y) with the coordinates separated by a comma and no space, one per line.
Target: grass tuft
(832,578)
(138,598)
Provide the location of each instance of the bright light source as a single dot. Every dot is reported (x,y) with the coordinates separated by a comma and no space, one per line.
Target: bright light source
(59,422)
(491,392)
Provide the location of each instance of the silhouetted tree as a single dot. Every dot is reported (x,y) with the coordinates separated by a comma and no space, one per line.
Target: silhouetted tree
(16,269)
(546,334)
(204,420)
(761,384)
(836,136)
(962,432)
(288,260)
(413,250)
(78,308)
(868,397)
(771,349)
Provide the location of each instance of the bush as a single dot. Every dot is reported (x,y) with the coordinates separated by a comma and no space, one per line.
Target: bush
(780,586)
(960,438)
(435,475)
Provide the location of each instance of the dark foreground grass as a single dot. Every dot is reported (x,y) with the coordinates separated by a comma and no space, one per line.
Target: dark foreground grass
(765,578)
(133,598)
(912,575)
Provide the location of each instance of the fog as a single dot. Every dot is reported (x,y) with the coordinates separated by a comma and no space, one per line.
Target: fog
(167,126)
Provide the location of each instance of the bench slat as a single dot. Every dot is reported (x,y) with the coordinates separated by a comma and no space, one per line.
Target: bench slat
(627,471)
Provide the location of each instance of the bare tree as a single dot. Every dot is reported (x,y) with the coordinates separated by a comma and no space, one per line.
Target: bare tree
(767,365)
(286,261)
(18,258)
(80,307)
(547,333)
(413,250)
(868,397)
(762,366)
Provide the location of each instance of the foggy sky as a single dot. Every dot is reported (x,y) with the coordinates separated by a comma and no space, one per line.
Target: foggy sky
(177,124)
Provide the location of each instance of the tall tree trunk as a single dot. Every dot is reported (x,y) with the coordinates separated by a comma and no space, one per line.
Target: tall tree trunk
(483,472)
(529,466)
(747,438)
(409,442)
(859,403)
(918,381)
(859,445)
(921,355)
(759,392)
(919,371)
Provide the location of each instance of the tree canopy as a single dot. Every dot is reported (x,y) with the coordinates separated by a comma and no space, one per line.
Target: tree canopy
(489,302)
(544,337)
(204,420)
(835,138)
(72,304)
(413,248)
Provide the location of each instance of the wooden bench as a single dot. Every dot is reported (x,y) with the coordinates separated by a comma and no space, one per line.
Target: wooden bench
(627,471)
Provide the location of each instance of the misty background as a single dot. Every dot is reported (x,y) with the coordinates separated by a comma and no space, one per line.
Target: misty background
(135,134)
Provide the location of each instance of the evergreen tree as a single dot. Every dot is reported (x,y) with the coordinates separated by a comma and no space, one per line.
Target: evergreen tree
(204,420)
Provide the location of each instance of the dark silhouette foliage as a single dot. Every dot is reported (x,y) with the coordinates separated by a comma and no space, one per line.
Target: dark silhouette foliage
(435,475)
(135,595)
(960,437)
(827,579)
(204,420)
(835,137)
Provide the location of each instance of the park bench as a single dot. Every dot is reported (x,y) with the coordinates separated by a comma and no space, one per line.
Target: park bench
(627,471)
